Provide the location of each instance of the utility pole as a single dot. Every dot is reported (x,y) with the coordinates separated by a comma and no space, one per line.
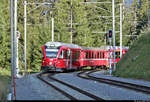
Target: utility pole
(120,30)
(71,22)
(25,27)
(12,62)
(52,29)
(16,38)
(123,9)
(52,25)
(149,17)
(113,13)
(25,30)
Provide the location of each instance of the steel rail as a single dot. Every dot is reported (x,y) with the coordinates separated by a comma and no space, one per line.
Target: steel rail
(58,89)
(132,86)
(77,89)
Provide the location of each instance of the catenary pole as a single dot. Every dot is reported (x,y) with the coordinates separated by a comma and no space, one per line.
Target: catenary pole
(12,62)
(71,22)
(16,37)
(25,30)
(113,13)
(52,29)
(120,30)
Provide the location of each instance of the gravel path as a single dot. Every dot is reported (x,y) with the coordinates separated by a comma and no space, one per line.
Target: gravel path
(31,88)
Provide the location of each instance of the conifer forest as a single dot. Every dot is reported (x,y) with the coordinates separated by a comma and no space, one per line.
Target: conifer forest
(75,21)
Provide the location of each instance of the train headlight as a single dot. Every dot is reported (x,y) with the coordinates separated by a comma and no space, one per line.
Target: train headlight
(50,63)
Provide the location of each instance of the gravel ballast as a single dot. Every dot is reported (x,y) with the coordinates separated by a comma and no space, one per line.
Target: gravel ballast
(105,91)
(31,88)
(100,74)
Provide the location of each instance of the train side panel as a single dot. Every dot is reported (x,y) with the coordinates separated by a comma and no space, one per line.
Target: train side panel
(94,58)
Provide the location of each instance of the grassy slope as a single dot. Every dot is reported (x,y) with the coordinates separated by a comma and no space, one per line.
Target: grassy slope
(4,81)
(136,63)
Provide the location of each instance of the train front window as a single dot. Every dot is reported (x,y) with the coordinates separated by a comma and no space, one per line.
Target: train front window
(51,52)
(117,54)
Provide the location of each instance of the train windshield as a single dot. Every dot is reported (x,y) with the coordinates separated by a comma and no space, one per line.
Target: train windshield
(51,52)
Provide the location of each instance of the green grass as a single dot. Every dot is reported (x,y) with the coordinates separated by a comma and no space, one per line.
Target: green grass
(136,62)
(86,68)
(4,82)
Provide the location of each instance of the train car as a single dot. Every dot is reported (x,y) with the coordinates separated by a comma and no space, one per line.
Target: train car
(57,56)
(100,56)
(117,53)
(94,56)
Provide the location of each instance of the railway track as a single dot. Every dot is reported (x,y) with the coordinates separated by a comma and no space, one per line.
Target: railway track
(71,97)
(136,87)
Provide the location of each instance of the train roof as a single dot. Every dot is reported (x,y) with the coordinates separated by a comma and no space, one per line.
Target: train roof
(104,48)
(63,44)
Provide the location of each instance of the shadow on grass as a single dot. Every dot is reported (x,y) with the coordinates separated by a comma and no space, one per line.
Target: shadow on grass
(4,89)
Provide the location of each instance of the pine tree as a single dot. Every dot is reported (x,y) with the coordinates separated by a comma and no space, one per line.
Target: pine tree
(5,51)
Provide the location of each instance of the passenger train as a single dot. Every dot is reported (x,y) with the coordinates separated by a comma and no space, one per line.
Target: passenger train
(58,56)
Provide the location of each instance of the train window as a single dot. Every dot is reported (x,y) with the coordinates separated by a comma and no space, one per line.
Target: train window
(92,54)
(95,54)
(100,54)
(103,54)
(117,54)
(51,51)
(86,54)
(61,54)
(89,55)
(65,53)
(75,56)
(78,54)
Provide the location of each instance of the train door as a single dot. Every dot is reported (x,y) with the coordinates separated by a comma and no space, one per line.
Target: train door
(65,59)
(61,60)
(69,58)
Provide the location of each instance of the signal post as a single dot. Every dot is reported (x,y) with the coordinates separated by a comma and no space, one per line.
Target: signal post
(110,54)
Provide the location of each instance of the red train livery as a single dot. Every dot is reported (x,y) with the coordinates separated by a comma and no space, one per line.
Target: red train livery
(57,56)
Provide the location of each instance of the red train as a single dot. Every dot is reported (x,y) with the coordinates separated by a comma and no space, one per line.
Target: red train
(57,56)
